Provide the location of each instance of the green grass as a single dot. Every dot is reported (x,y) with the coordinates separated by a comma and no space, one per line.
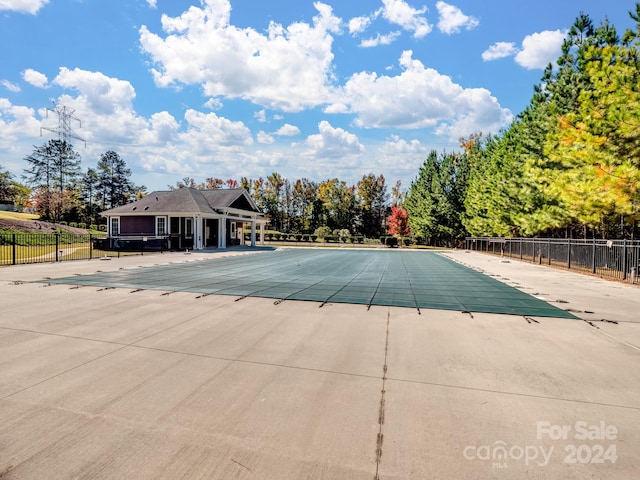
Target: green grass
(18,216)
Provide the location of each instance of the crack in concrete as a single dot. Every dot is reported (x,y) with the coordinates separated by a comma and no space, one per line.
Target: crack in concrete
(381,410)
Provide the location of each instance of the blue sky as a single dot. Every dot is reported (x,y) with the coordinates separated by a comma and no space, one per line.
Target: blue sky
(232,88)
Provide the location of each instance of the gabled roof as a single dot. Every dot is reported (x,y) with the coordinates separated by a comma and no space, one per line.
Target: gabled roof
(187,201)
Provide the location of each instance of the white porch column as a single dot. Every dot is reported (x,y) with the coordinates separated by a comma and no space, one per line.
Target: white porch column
(262,234)
(222,232)
(197,232)
(253,233)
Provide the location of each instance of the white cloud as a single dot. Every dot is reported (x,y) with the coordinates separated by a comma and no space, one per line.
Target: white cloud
(452,19)
(358,25)
(380,40)
(401,156)
(12,87)
(265,138)
(476,110)
(16,122)
(35,78)
(286,68)
(337,107)
(499,50)
(421,97)
(332,142)
(152,3)
(288,130)
(162,130)
(395,145)
(102,95)
(214,104)
(207,131)
(401,13)
(261,115)
(539,49)
(23,6)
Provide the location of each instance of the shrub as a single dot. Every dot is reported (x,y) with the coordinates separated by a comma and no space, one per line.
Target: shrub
(344,235)
(391,242)
(322,232)
(82,225)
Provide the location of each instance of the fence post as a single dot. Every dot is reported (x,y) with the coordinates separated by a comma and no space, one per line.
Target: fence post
(14,250)
(520,242)
(624,259)
(569,254)
(549,251)
(90,247)
(593,257)
(533,255)
(57,246)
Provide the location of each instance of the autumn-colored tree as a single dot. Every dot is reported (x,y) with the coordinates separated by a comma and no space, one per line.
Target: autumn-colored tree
(212,183)
(398,222)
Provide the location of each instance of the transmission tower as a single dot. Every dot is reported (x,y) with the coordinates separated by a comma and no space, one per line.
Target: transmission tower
(64,130)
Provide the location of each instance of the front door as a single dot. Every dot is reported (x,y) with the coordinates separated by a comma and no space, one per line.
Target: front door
(211,232)
(188,232)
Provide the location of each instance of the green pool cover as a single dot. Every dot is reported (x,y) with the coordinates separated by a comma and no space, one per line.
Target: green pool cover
(400,278)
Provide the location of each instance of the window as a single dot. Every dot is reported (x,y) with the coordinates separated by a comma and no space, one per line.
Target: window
(161,226)
(114,229)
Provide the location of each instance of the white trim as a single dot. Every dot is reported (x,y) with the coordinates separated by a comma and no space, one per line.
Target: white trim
(166,226)
(111,233)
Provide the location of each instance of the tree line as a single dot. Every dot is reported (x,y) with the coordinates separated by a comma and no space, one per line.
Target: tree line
(302,206)
(568,166)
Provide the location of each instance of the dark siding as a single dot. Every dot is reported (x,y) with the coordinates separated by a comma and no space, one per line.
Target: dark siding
(137,225)
(241,203)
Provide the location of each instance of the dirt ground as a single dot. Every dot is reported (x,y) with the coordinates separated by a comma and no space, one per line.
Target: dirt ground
(36,226)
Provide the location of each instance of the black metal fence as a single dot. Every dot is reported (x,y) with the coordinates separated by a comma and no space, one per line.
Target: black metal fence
(19,248)
(616,259)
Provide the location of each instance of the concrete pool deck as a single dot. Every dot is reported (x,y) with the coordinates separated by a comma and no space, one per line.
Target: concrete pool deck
(118,383)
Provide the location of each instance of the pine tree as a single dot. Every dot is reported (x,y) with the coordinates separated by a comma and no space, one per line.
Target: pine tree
(115,187)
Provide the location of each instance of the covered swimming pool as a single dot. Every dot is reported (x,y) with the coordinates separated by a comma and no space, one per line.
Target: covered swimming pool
(399,278)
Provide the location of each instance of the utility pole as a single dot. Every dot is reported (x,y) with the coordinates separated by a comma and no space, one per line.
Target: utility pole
(64,130)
